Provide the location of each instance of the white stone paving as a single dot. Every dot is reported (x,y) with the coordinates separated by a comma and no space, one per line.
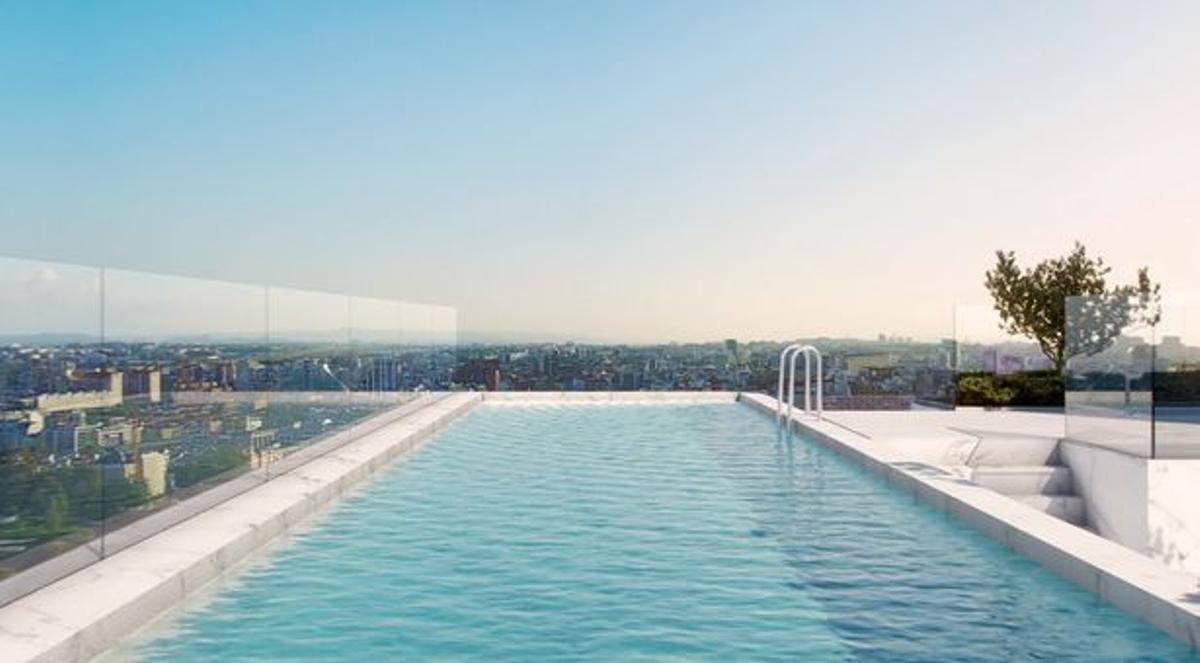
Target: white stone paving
(911,450)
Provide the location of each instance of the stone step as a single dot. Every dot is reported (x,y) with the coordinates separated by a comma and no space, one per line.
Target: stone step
(1026,479)
(999,450)
(1063,507)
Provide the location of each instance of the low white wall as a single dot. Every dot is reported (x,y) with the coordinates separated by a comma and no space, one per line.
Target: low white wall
(1151,506)
(1159,595)
(1113,486)
(1173,512)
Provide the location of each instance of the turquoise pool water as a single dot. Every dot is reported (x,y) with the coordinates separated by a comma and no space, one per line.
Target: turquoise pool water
(624,532)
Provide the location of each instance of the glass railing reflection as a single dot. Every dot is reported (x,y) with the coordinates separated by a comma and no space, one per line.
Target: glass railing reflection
(52,381)
(310,340)
(996,368)
(187,351)
(1175,382)
(125,393)
(1109,374)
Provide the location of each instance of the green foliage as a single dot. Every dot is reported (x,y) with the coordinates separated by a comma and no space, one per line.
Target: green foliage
(56,511)
(49,502)
(121,494)
(981,389)
(1029,389)
(1177,388)
(216,460)
(1032,303)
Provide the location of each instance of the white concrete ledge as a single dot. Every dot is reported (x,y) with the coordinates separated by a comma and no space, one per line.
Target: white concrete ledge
(83,614)
(1139,585)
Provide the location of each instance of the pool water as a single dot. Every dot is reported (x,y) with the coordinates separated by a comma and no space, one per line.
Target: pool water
(627,531)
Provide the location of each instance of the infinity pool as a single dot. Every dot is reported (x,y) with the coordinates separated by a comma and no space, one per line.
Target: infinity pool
(626,531)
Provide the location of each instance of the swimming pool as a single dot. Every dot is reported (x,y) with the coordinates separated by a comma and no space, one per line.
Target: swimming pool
(640,531)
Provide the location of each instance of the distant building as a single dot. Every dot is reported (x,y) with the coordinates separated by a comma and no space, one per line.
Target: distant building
(480,373)
(85,435)
(122,434)
(154,473)
(1010,364)
(991,360)
(856,363)
(384,375)
(143,384)
(115,465)
(262,447)
(12,434)
(87,390)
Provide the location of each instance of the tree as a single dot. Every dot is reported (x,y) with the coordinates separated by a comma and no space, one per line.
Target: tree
(1033,303)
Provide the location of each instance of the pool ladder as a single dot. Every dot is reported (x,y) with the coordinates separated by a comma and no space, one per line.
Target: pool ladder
(788,358)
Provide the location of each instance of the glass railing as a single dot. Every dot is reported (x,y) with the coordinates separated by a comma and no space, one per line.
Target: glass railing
(995,368)
(1176,379)
(124,393)
(1132,378)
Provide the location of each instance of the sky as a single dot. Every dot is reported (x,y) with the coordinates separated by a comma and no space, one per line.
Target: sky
(623,171)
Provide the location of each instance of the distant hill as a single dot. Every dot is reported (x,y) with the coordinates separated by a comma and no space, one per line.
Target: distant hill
(49,338)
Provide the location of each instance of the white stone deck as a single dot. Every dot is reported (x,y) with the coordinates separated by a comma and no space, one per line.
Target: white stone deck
(919,451)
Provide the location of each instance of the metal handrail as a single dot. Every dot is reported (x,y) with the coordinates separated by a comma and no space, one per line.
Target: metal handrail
(783,357)
(788,357)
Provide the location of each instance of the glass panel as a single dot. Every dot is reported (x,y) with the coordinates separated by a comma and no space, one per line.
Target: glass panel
(50,364)
(123,393)
(184,359)
(444,338)
(312,370)
(375,354)
(998,369)
(415,334)
(1176,376)
(1109,375)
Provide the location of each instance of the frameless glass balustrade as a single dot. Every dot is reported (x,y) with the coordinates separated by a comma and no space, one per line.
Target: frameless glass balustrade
(1133,376)
(133,400)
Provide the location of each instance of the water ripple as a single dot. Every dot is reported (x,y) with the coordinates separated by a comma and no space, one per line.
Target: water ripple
(626,532)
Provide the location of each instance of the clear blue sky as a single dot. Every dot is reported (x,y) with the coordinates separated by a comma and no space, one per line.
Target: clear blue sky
(622,170)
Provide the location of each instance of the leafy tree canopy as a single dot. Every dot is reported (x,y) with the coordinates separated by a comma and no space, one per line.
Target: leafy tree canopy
(1034,303)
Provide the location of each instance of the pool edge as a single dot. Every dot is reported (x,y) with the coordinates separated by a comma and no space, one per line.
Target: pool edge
(59,625)
(83,614)
(1142,587)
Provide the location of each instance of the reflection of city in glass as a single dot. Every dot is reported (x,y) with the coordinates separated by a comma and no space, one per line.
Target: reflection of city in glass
(121,393)
(1134,380)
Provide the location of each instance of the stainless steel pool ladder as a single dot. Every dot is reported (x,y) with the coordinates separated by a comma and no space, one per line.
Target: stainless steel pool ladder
(788,358)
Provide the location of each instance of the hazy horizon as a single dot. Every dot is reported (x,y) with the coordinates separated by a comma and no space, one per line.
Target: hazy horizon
(638,172)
